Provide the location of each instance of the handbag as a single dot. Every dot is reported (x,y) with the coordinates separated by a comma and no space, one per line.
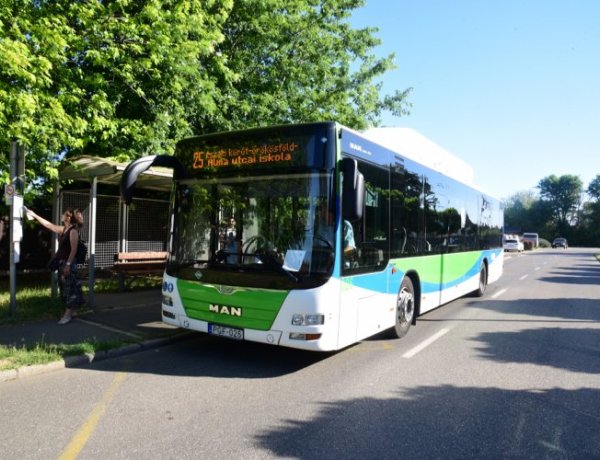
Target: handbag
(81,253)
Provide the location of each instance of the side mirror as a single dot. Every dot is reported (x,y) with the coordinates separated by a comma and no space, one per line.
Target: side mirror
(137,167)
(353,190)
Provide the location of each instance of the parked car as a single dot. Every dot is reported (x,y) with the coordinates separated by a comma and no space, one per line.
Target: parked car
(513,244)
(560,243)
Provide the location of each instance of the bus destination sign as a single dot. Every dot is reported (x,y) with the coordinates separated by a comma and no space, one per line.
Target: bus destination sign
(267,154)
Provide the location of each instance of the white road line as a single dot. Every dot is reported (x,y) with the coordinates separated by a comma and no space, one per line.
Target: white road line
(536,268)
(523,277)
(410,353)
(499,293)
(108,328)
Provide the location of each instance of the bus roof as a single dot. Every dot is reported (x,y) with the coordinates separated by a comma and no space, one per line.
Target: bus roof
(410,144)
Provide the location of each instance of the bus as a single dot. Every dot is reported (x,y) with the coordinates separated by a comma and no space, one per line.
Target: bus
(314,237)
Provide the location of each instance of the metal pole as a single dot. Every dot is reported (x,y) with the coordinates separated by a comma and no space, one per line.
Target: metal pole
(13,268)
(92,241)
(56,213)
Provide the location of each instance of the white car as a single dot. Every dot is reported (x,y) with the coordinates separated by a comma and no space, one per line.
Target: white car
(513,244)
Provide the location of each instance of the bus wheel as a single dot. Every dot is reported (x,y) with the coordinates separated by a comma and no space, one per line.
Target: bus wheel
(482,281)
(405,308)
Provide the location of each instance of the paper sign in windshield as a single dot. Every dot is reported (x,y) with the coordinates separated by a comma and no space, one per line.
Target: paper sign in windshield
(293,259)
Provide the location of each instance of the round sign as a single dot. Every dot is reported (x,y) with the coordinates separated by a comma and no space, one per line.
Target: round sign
(9,189)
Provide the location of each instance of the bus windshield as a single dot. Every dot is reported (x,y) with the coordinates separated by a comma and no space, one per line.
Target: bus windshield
(271,231)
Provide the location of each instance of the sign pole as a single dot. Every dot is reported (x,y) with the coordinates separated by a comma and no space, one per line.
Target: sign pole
(14,197)
(13,272)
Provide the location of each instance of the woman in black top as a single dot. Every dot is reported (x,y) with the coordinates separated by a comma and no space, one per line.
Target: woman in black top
(70,285)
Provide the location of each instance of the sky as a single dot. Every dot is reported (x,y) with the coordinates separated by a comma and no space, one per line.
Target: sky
(512,87)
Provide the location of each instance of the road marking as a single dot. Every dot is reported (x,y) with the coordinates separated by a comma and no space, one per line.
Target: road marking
(108,328)
(536,268)
(410,353)
(499,293)
(82,436)
(523,277)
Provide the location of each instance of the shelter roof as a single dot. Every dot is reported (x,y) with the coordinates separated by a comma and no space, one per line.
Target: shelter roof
(85,167)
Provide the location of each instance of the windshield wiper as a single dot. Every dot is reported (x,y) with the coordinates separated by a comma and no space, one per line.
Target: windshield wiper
(188,263)
(266,259)
(271,262)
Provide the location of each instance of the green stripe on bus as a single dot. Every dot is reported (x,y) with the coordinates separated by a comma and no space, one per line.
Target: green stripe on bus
(231,306)
(429,268)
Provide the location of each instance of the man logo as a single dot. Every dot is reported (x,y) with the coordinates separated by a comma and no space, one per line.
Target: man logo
(224,290)
(225,310)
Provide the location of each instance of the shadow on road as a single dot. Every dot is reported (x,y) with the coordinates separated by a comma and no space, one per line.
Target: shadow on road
(575,350)
(446,422)
(206,356)
(561,308)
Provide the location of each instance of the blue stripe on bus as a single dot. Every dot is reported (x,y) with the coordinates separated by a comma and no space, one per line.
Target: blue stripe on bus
(374,281)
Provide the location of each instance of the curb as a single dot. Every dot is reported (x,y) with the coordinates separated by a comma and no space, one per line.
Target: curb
(88,358)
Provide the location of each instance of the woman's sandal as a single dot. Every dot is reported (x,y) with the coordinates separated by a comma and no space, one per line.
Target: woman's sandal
(65,320)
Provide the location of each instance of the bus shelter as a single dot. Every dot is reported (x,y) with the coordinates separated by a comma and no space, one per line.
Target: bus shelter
(93,171)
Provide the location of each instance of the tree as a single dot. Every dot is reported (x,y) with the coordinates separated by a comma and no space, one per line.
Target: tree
(591,213)
(299,61)
(516,211)
(561,197)
(124,78)
(525,212)
(106,78)
(593,189)
(563,194)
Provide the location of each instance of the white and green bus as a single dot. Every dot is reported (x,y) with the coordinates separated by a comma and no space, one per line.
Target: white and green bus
(312,236)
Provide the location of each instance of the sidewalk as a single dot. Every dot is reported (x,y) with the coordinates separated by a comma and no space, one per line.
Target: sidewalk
(126,316)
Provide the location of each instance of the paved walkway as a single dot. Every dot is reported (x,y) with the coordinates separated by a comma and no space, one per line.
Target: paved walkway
(132,317)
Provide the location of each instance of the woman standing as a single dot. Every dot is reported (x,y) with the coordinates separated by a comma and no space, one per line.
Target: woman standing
(70,285)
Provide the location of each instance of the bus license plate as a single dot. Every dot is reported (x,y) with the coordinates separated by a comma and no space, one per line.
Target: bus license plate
(224,331)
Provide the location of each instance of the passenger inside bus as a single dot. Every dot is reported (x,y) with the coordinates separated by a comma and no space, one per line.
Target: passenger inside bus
(350,254)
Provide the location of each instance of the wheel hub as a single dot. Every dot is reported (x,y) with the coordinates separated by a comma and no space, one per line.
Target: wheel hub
(406,304)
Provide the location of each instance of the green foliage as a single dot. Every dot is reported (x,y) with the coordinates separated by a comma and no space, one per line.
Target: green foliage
(559,210)
(35,302)
(563,194)
(13,357)
(44,353)
(299,60)
(543,243)
(126,79)
(593,189)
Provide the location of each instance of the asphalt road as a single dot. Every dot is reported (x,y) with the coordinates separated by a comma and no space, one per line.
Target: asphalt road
(515,374)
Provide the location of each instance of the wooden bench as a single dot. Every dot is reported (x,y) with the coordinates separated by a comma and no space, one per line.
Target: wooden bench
(132,264)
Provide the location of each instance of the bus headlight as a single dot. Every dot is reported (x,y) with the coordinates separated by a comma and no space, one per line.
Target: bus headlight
(299,319)
(167,300)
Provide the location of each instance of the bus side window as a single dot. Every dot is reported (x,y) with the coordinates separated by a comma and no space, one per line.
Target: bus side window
(406,212)
(371,232)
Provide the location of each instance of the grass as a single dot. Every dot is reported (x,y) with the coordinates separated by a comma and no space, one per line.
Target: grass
(42,353)
(34,302)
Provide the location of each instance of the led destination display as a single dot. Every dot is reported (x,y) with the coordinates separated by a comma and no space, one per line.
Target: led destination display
(283,153)
(303,146)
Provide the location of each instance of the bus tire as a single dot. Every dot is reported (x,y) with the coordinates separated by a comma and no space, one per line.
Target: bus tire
(405,309)
(482,282)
